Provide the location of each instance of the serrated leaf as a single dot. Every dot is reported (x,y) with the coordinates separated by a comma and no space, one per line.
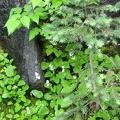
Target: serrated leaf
(12,25)
(34,17)
(34,32)
(17,10)
(36,93)
(27,8)
(10,70)
(56,3)
(25,20)
(35,2)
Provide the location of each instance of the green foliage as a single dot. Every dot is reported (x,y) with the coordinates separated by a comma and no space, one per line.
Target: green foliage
(78,83)
(67,21)
(73,90)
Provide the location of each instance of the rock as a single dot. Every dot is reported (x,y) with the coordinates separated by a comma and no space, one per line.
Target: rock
(26,54)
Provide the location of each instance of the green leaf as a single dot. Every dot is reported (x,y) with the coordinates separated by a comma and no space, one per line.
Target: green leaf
(48,74)
(49,51)
(5,95)
(36,93)
(44,65)
(25,20)
(9,115)
(34,17)
(21,83)
(57,52)
(34,32)
(68,89)
(70,47)
(56,3)
(66,102)
(35,2)
(10,70)
(10,27)
(17,107)
(1,57)
(43,111)
(23,98)
(17,10)
(27,7)
(47,96)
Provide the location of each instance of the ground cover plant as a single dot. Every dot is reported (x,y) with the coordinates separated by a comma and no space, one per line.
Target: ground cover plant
(81,82)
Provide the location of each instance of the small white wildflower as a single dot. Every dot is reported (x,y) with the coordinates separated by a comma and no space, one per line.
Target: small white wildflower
(37,75)
(71,53)
(14,86)
(74,76)
(28,110)
(51,67)
(73,57)
(47,82)
(63,69)
(102,76)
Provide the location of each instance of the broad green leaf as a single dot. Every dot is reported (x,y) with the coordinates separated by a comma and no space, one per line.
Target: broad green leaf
(5,95)
(66,102)
(43,111)
(27,7)
(21,83)
(10,70)
(23,98)
(36,93)
(12,25)
(25,20)
(68,89)
(48,74)
(34,17)
(9,115)
(47,96)
(49,51)
(17,10)
(57,52)
(1,76)
(35,2)
(1,57)
(70,47)
(34,32)
(17,107)
(56,3)
(44,65)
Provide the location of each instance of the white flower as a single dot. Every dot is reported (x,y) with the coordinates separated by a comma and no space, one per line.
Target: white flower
(74,76)
(37,75)
(73,57)
(51,67)
(14,86)
(47,82)
(71,53)
(28,110)
(63,69)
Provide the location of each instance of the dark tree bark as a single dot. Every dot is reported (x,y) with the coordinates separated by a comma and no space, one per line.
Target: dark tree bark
(26,54)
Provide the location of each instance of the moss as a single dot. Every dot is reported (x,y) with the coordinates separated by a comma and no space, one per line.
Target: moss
(1,50)
(109,50)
